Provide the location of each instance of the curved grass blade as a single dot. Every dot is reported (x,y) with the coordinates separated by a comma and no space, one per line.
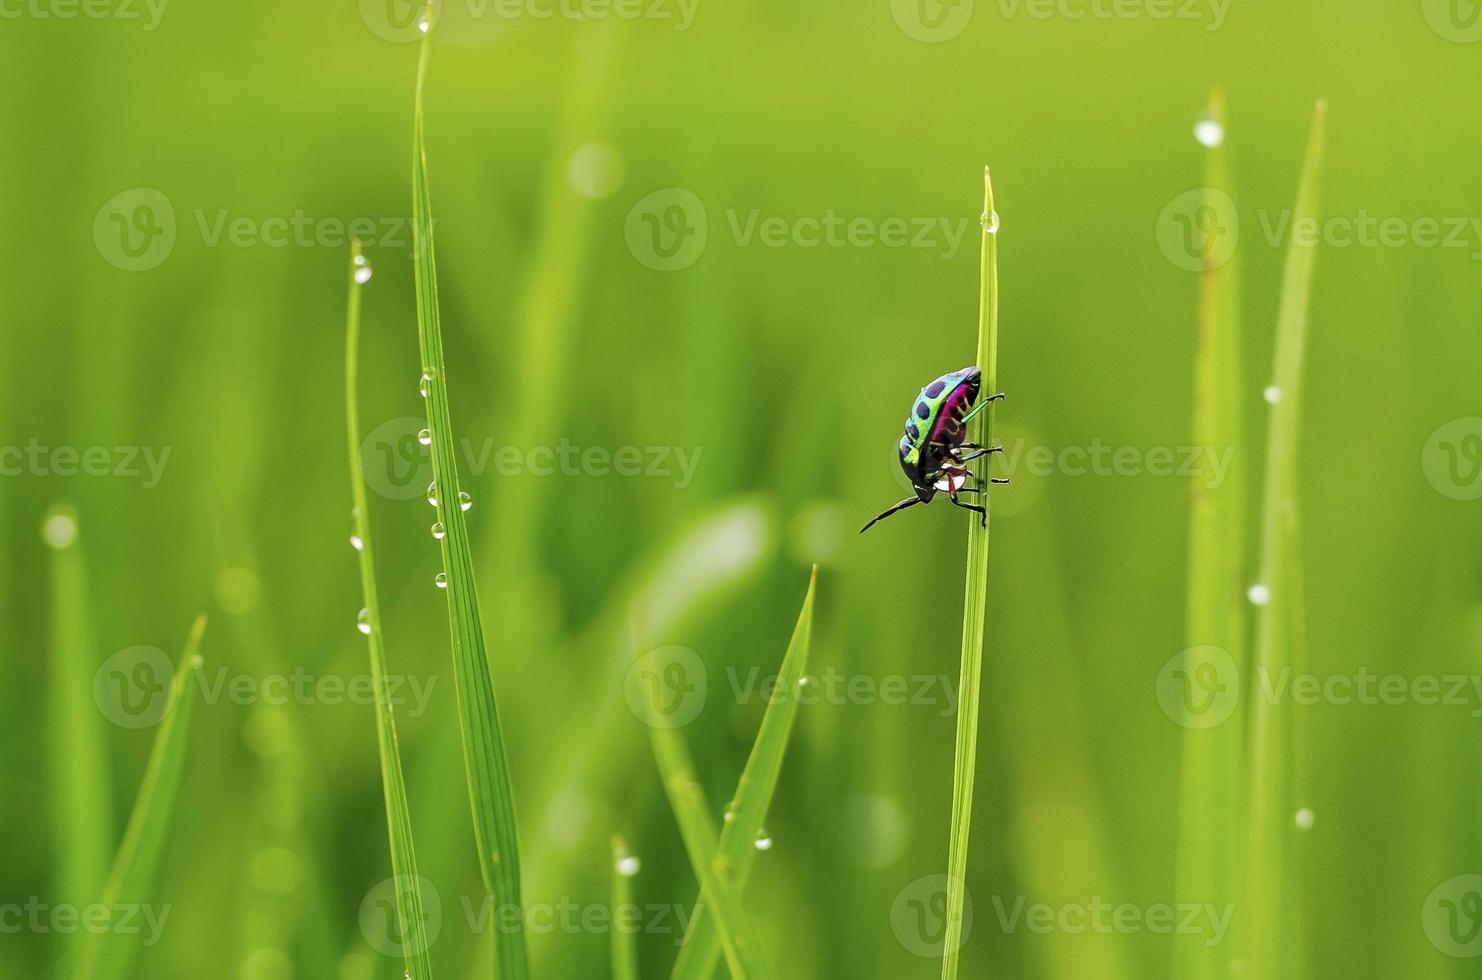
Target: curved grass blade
(78,745)
(1271,947)
(107,953)
(393,783)
(717,875)
(702,946)
(1213,761)
(975,606)
(485,759)
(624,949)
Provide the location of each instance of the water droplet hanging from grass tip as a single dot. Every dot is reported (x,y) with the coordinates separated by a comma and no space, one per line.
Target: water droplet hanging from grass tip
(990,222)
(441,581)
(363,270)
(626,864)
(1208,130)
(362,622)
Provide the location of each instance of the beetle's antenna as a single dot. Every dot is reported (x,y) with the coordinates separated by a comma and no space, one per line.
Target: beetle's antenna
(900,506)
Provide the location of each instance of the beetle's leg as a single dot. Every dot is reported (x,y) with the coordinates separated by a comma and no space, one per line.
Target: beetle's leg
(979,451)
(909,501)
(982,405)
(983,511)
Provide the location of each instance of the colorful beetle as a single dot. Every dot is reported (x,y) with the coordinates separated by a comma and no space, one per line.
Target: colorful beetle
(932,448)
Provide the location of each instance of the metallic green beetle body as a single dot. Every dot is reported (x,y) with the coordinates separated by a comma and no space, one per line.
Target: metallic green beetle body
(931,451)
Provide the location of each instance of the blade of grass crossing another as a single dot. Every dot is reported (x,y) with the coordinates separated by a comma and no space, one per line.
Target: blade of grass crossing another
(702,947)
(485,758)
(1271,947)
(717,875)
(108,953)
(398,812)
(1213,761)
(975,604)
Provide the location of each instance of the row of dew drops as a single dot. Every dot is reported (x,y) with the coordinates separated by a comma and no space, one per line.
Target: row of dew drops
(1210,132)
(624,863)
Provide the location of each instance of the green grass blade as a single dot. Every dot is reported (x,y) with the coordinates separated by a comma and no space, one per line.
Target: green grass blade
(84,801)
(398,811)
(975,604)
(624,947)
(1212,767)
(702,947)
(484,755)
(107,954)
(1271,949)
(717,875)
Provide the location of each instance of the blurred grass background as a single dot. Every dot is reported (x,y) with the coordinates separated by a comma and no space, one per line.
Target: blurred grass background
(789,369)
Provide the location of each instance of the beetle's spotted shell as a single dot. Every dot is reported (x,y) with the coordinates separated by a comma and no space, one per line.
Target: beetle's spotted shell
(936,417)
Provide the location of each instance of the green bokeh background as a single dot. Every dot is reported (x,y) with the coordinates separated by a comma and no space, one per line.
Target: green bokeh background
(789,370)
